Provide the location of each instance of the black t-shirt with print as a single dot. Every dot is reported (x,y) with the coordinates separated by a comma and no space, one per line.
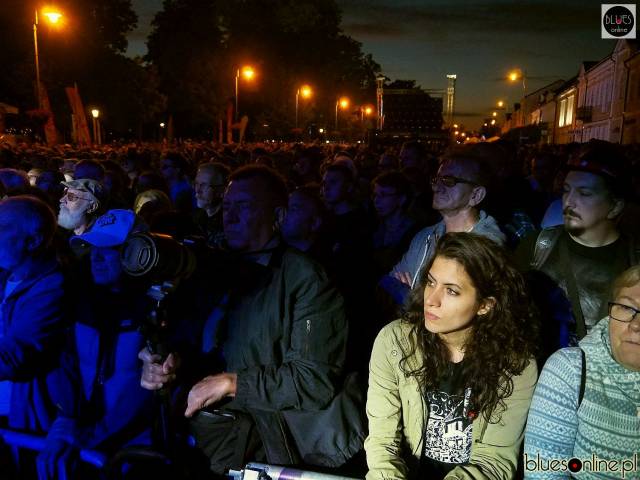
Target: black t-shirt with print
(447,436)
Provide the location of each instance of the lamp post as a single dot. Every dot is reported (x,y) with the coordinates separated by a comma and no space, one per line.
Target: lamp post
(365,110)
(53,17)
(343,103)
(95,114)
(306,92)
(248,73)
(517,74)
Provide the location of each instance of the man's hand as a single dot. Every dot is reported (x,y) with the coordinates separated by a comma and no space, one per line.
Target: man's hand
(210,390)
(156,375)
(57,454)
(403,277)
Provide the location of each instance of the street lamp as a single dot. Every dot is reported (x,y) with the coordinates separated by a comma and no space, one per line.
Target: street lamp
(53,17)
(343,103)
(247,73)
(517,74)
(500,104)
(365,110)
(95,114)
(306,92)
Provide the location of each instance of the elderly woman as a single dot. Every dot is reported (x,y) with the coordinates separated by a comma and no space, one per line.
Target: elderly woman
(585,412)
(450,384)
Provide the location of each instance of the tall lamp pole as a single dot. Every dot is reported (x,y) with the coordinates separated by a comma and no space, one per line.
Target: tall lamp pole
(342,103)
(306,92)
(53,17)
(248,73)
(97,137)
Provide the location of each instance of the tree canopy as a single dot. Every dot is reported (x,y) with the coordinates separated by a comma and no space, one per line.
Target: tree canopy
(198,46)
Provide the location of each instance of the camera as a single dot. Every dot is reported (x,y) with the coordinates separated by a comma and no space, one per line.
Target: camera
(158,257)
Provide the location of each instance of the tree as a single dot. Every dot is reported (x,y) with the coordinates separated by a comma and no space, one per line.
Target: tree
(87,50)
(197,46)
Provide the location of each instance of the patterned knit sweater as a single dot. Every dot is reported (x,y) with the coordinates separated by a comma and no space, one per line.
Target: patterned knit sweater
(602,436)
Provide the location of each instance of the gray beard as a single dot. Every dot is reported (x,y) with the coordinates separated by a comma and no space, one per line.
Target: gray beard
(70,221)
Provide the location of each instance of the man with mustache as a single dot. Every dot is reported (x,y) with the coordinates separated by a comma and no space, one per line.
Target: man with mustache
(81,204)
(575,263)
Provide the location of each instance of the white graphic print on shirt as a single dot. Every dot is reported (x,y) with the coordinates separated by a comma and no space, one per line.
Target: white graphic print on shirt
(448,435)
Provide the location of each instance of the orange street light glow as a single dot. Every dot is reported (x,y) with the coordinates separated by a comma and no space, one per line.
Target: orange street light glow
(368,110)
(500,104)
(344,102)
(248,72)
(514,75)
(494,114)
(52,15)
(95,113)
(306,91)
(493,122)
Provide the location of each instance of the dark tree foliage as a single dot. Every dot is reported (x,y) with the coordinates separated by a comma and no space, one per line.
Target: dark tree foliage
(198,45)
(186,46)
(87,49)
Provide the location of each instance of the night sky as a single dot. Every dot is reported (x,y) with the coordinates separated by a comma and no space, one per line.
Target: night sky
(479,41)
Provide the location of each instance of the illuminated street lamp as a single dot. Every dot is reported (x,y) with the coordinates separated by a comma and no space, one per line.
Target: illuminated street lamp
(53,17)
(493,122)
(306,92)
(247,73)
(343,103)
(97,137)
(517,74)
(500,104)
(365,110)
(494,114)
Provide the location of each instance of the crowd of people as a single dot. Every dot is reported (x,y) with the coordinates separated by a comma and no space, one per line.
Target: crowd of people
(395,312)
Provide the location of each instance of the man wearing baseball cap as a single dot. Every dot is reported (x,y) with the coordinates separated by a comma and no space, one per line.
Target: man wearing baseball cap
(575,263)
(83,201)
(109,311)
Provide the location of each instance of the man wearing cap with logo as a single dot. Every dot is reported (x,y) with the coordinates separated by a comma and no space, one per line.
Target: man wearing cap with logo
(574,264)
(83,201)
(110,308)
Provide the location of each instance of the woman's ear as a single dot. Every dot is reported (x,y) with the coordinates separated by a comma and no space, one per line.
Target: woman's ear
(486,305)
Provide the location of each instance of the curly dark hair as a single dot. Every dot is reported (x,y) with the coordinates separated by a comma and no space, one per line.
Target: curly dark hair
(501,343)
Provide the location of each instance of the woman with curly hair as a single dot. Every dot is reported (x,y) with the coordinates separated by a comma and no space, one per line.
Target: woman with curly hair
(450,384)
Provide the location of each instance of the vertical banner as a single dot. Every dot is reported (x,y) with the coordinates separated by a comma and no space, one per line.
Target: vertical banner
(50,132)
(81,127)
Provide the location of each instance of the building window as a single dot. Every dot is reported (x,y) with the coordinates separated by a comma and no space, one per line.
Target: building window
(563,109)
(568,118)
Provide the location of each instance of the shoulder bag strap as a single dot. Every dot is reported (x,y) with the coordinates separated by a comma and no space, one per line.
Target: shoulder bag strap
(572,289)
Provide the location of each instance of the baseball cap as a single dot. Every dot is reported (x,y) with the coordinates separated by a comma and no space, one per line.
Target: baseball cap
(87,185)
(109,230)
(600,158)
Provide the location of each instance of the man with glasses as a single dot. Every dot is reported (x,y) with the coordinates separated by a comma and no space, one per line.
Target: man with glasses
(83,201)
(458,190)
(209,186)
(587,402)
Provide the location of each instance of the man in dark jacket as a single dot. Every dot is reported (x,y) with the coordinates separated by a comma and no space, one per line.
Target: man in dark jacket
(274,347)
(31,316)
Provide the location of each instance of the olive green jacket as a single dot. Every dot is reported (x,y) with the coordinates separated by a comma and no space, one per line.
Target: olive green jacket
(397,413)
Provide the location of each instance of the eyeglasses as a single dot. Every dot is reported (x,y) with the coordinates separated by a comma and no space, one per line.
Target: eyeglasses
(450,181)
(72,197)
(622,313)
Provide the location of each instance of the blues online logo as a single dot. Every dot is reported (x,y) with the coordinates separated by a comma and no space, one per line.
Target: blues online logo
(618,21)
